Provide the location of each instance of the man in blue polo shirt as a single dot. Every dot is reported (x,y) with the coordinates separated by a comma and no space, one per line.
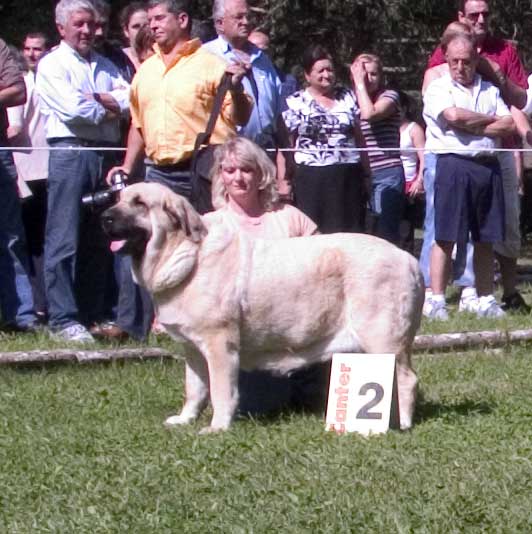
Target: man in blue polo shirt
(265,126)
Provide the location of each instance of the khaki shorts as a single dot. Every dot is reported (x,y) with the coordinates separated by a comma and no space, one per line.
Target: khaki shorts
(511,246)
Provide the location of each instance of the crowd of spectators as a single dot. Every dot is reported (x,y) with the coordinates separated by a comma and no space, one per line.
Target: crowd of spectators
(359,159)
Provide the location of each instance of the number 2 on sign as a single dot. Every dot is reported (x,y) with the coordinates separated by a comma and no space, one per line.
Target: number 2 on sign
(364,412)
(360,393)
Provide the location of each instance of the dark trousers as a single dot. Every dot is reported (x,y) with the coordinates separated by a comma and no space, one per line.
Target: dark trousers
(135,308)
(34,219)
(16,300)
(332,196)
(468,197)
(176,177)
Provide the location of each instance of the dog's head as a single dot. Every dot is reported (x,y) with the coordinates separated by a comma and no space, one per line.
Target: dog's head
(154,226)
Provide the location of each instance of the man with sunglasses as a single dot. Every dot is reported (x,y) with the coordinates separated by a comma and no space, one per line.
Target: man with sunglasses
(507,71)
(503,68)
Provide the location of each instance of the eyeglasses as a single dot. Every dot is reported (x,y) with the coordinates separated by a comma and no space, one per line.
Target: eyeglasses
(476,16)
(239,17)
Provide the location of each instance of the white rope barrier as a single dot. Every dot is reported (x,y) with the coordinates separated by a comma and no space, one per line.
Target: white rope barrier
(306,150)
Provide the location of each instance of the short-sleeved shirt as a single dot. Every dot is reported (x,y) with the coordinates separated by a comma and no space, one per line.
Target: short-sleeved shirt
(444,93)
(171,104)
(498,50)
(383,133)
(321,134)
(285,221)
(10,74)
(505,55)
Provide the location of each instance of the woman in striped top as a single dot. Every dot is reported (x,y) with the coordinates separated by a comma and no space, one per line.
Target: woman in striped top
(380,121)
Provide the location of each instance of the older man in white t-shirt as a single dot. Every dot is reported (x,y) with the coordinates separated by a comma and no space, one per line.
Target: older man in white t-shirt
(466,117)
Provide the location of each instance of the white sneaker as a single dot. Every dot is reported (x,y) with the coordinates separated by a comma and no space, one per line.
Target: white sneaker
(75,333)
(489,307)
(468,300)
(427,303)
(436,310)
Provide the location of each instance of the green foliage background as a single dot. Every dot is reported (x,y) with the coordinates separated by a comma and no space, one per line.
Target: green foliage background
(403,32)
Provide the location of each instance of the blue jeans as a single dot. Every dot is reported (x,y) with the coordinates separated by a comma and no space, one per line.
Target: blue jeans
(388,198)
(429,174)
(16,299)
(75,279)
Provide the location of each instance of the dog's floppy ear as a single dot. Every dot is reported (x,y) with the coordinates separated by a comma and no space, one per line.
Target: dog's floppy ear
(185,216)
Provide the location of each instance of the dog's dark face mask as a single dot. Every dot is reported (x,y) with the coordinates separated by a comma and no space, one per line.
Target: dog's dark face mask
(127,236)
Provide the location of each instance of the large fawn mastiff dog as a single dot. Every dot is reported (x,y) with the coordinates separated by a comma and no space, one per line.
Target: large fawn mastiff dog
(277,305)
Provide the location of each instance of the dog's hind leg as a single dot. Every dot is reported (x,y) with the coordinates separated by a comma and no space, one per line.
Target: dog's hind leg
(406,390)
(196,391)
(382,342)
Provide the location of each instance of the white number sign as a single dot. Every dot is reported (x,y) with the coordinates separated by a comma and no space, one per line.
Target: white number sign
(362,394)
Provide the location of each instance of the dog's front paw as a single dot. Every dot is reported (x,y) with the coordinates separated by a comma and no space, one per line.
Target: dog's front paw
(406,426)
(178,420)
(211,430)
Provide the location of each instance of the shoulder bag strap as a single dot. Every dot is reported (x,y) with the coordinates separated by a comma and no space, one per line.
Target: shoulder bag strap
(203,138)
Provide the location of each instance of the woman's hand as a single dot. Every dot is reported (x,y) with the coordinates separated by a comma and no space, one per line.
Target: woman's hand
(416,189)
(358,73)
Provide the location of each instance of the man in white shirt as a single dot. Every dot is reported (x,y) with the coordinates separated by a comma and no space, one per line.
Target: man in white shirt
(83,97)
(466,117)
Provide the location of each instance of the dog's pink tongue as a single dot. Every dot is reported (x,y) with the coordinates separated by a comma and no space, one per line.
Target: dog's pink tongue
(117,245)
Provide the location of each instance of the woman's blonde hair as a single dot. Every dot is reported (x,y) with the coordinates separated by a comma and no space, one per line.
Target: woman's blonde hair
(246,153)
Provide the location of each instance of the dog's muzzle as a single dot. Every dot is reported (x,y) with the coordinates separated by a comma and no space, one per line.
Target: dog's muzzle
(126,238)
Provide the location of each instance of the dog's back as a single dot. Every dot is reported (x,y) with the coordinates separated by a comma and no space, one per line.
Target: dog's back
(341,292)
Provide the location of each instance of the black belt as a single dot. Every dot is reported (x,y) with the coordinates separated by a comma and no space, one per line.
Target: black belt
(171,167)
(76,141)
(485,160)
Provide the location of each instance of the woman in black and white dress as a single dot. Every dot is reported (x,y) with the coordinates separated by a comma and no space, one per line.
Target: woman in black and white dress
(332,180)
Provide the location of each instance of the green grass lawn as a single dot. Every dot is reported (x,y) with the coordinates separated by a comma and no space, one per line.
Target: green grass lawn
(83,449)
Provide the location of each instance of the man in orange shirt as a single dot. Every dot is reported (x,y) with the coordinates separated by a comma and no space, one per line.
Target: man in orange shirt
(171,100)
(172,96)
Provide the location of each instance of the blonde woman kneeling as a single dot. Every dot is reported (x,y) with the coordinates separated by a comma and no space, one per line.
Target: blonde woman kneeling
(245,196)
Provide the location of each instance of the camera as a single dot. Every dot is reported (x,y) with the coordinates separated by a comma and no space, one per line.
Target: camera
(106,197)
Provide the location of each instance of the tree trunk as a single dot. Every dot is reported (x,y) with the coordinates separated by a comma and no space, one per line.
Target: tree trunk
(82,356)
(437,342)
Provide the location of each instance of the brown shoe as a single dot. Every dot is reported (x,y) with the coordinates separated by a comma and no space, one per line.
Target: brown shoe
(108,330)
